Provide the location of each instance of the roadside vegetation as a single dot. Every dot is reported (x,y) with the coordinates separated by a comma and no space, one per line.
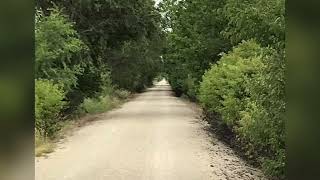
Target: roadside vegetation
(90,57)
(229,55)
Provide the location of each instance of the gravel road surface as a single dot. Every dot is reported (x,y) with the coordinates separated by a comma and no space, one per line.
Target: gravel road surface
(155,136)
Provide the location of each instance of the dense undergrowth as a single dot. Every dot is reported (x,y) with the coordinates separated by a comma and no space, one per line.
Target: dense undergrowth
(90,56)
(229,55)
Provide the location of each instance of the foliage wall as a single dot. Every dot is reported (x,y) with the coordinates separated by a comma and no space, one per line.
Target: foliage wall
(230,56)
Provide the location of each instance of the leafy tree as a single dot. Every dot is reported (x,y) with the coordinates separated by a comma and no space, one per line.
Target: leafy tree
(193,41)
(109,27)
(260,19)
(58,49)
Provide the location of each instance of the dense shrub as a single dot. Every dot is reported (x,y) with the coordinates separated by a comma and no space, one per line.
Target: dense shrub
(121,93)
(263,120)
(245,91)
(96,105)
(223,89)
(48,104)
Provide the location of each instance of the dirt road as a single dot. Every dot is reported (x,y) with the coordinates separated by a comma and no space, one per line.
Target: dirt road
(156,136)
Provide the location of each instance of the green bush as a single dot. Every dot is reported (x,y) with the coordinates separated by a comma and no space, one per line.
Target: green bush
(263,120)
(121,93)
(96,105)
(48,104)
(246,87)
(190,87)
(222,89)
